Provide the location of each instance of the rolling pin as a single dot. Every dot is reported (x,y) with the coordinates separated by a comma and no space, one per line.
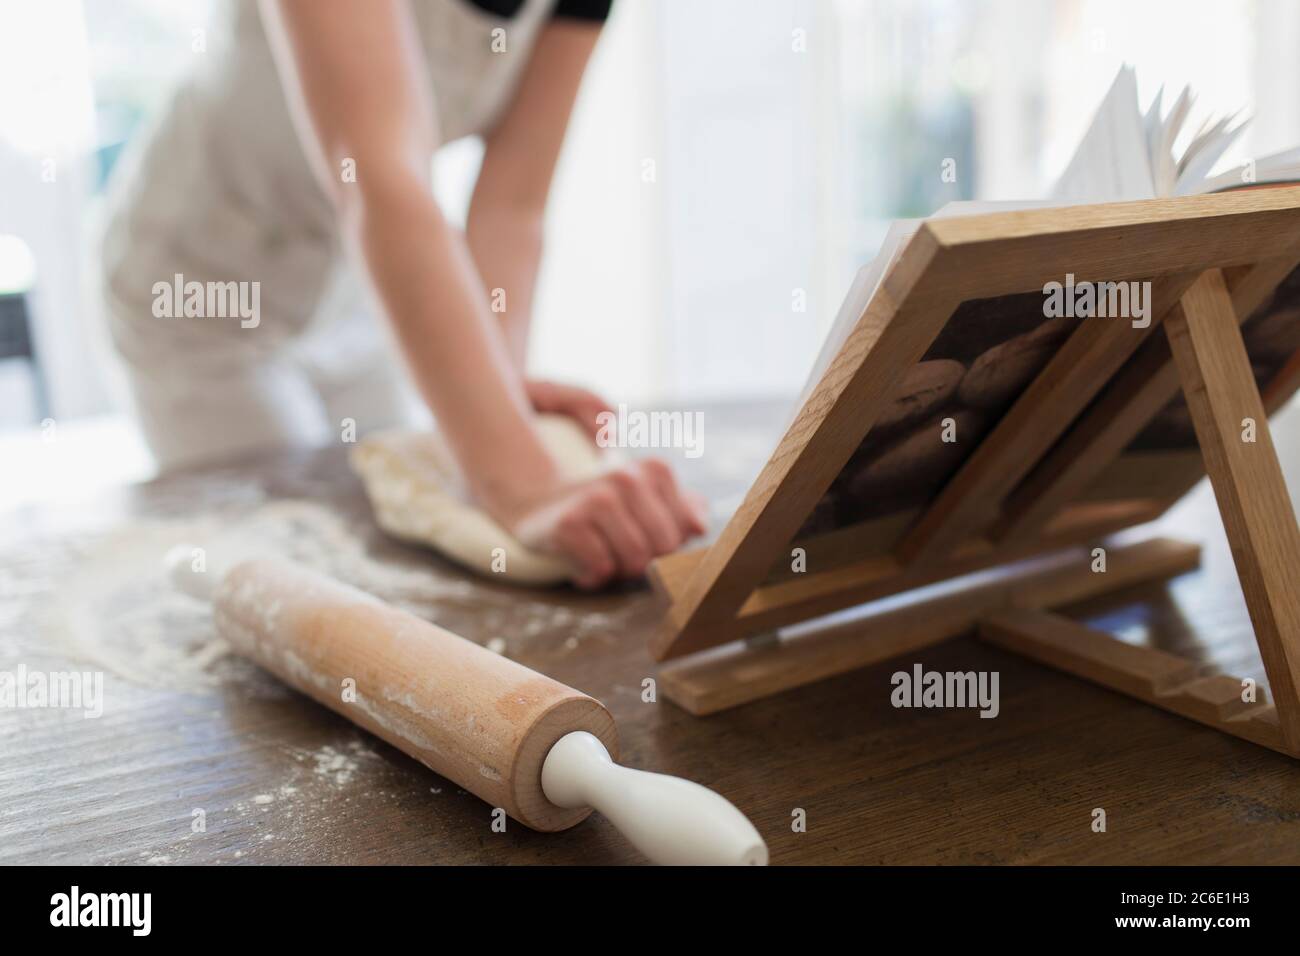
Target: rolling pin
(517,739)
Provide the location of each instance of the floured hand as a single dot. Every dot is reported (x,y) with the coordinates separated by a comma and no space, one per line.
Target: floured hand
(603,521)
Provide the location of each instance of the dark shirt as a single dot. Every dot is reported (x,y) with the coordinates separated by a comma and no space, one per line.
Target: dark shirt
(595,11)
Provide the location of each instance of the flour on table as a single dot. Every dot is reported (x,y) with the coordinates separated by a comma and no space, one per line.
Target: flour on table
(116,608)
(108,602)
(340,766)
(419,495)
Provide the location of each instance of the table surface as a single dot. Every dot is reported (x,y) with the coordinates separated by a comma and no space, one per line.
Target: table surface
(199,757)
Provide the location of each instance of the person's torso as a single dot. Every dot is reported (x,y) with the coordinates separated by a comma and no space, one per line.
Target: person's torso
(220,190)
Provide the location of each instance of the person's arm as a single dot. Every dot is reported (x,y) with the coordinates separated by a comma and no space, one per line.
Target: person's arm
(356,69)
(507,211)
(504,225)
(354,73)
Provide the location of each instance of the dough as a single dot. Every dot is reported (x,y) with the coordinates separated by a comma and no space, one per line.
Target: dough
(418,495)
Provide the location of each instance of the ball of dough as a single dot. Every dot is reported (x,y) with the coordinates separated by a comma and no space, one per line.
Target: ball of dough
(418,495)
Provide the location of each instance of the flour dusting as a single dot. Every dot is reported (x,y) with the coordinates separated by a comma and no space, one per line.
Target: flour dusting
(115,607)
(338,766)
(107,601)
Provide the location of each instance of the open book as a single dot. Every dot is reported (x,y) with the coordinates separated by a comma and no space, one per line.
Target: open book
(1125,155)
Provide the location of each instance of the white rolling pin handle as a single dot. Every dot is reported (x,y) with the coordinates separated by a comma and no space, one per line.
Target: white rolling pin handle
(672,821)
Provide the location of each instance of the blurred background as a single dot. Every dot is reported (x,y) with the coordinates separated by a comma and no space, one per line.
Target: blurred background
(731,164)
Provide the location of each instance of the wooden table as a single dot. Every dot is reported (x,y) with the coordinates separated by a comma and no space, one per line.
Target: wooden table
(274,778)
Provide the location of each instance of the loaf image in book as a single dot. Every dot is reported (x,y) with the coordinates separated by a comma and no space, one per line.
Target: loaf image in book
(1272,336)
(985,356)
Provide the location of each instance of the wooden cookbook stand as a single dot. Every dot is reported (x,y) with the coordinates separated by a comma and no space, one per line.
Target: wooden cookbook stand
(1011,534)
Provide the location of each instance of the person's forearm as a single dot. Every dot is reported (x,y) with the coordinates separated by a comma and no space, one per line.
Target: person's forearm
(356,82)
(427,283)
(506,242)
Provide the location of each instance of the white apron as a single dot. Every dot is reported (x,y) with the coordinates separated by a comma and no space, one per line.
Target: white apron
(219,190)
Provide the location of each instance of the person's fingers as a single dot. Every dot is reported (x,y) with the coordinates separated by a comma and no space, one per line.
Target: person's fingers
(579,404)
(588,411)
(583,544)
(588,419)
(593,401)
(699,506)
(645,503)
(626,540)
(687,510)
(541,395)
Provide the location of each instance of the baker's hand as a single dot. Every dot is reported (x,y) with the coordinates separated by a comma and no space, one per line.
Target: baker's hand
(614,525)
(577,403)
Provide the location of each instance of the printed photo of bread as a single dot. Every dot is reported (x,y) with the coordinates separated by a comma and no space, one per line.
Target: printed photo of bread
(984,358)
(1272,336)
(945,405)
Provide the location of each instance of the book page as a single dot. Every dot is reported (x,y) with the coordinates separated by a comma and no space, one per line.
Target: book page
(859,295)
(1164,169)
(1112,162)
(1283,167)
(1203,153)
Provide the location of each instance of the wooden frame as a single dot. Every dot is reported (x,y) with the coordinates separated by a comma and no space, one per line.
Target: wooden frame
(1030,487)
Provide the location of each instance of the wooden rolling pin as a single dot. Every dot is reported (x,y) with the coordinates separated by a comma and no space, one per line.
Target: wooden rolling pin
(519,740)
